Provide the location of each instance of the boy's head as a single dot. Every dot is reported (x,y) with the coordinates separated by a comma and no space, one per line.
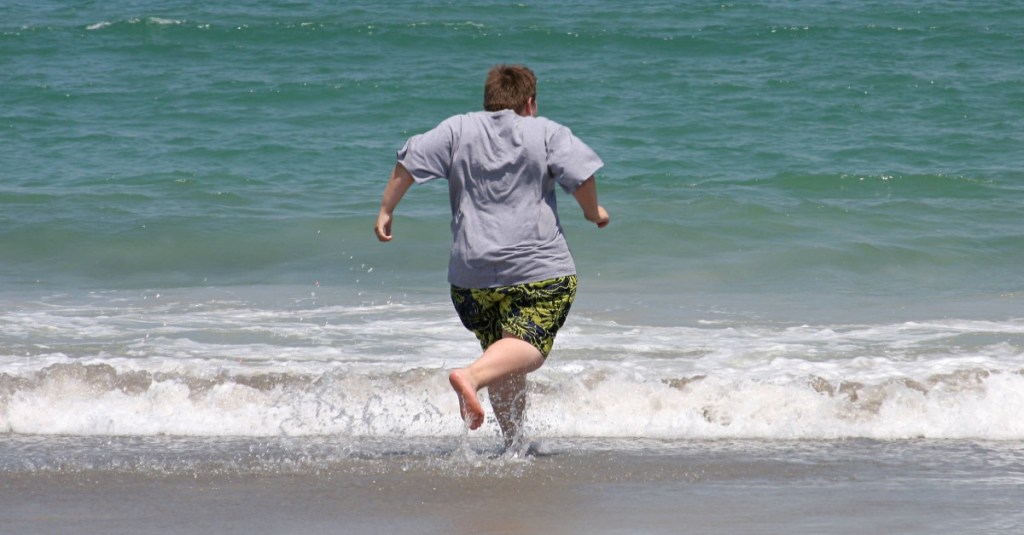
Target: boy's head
(511,87)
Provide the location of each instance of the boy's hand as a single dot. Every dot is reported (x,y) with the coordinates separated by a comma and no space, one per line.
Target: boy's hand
(586,196)
(398,184)
(383,227)
(602,218)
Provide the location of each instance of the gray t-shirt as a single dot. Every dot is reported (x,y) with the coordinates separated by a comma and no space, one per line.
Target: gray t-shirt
(502,169)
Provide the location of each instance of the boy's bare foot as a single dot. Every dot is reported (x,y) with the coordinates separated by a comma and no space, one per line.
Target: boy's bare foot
(469,404)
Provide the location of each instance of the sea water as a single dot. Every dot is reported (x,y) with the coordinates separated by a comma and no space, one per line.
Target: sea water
(816,232)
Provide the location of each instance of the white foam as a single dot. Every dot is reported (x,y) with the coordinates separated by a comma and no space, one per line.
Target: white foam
(136,365)
(158,21)
(612,404)
(575,400)
(78,399)
(164,21)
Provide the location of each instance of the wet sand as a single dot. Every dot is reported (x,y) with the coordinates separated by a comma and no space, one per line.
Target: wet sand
(878,490)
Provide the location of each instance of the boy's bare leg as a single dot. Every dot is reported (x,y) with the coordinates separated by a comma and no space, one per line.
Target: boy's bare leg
(508,399)
(507,356)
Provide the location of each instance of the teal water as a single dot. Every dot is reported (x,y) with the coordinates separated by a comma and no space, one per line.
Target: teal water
(853,148)
(814,192)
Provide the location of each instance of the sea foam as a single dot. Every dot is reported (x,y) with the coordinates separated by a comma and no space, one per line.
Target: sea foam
(141,365)
(599,400)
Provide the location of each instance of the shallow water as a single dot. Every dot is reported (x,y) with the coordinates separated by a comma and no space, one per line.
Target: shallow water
(612,486)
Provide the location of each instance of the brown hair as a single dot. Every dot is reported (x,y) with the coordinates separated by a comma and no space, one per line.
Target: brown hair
(509,87)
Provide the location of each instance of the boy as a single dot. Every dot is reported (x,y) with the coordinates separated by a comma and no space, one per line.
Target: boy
(511,274)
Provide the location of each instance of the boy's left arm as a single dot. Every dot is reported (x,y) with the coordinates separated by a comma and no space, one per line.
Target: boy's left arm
(586,196)
(398,184)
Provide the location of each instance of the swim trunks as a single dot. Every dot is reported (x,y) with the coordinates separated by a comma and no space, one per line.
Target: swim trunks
(533,311)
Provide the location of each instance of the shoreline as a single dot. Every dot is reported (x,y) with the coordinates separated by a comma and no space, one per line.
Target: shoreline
(749,487)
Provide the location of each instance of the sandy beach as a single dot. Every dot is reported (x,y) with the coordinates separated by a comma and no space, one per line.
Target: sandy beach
(745,487)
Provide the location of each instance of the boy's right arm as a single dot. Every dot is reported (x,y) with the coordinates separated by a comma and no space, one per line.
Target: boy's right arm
(398,184)
(586,196)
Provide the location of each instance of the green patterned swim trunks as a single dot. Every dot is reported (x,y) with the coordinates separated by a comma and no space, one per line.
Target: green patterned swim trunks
(533,311)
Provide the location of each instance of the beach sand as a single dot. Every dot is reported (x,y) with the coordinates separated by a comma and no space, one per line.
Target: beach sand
(845,487)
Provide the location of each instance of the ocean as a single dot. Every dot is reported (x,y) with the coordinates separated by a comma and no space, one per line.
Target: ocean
(811,285)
